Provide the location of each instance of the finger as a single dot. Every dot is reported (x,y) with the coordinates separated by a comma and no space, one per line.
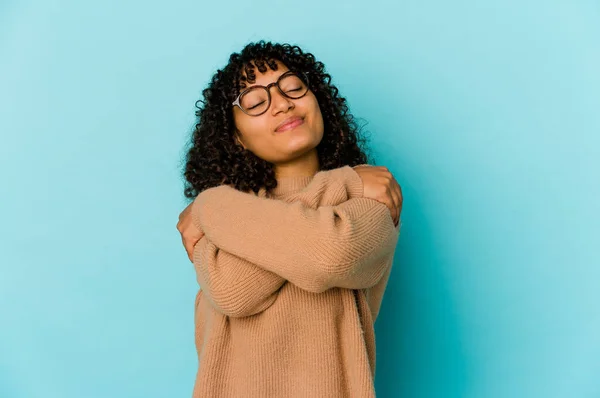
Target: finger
(389,178)
(389,202)
(399,188)
(183,241)
(394,199)
(397,194)
(190,252)
(194,242)
(400,200)
(186,247)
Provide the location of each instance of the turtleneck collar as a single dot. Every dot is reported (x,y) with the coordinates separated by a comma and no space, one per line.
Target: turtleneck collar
(290,185)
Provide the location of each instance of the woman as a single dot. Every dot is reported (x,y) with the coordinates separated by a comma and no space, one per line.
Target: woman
(291,234)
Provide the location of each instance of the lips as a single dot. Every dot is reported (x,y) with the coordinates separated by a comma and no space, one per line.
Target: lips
(289,124)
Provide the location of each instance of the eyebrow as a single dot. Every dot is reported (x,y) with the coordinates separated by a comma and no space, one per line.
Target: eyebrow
(244,86)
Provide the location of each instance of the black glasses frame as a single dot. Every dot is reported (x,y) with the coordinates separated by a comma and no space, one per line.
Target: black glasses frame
(303,76)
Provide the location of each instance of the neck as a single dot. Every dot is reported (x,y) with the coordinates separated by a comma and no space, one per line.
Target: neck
(305,166)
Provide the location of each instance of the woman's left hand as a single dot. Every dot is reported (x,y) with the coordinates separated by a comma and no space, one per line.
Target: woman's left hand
(190,233)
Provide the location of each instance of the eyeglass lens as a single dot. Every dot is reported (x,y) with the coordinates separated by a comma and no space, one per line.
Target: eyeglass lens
(256,100)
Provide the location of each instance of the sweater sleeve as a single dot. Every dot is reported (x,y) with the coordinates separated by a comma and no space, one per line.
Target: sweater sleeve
(237,287)
(375,293)
(316,248)
(234,286)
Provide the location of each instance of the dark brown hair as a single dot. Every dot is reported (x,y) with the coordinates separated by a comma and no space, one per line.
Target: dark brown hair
(215,158)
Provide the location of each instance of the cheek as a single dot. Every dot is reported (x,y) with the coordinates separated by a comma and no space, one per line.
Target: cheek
(317,118)
(252,129)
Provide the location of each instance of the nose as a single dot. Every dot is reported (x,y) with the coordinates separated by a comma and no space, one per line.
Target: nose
(279,102)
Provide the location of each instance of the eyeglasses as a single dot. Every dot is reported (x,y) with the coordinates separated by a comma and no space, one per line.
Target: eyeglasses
(255,100)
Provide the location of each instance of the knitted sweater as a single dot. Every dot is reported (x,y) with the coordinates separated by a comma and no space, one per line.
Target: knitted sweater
(291,284)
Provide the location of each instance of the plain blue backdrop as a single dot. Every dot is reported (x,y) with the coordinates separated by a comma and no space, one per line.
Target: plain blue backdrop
(487,113)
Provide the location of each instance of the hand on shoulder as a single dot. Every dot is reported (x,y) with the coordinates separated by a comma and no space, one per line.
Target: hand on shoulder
(379,184)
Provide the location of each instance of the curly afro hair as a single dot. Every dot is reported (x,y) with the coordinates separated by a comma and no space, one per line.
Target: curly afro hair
(215,158)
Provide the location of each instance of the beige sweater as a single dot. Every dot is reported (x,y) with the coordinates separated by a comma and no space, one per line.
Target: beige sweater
(291,284)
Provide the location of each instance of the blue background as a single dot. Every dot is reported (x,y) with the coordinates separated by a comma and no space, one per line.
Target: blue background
(487,113)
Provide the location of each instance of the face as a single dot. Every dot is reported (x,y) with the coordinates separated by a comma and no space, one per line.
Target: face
(260,134)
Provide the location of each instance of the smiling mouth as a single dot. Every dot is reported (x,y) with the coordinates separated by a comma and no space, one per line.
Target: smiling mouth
(289,126)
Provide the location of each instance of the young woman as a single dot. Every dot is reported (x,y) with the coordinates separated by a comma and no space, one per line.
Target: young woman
(291,233)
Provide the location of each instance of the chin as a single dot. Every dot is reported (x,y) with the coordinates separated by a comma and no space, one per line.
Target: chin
(303,142)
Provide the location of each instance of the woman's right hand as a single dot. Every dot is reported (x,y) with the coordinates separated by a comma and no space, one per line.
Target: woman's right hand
(380,184)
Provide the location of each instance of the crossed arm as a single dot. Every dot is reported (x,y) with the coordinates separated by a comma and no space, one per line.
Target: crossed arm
(329,236)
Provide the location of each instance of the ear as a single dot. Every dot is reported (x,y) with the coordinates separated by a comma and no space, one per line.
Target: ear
(237,136)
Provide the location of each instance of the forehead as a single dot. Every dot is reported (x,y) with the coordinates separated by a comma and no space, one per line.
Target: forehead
(264,78)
